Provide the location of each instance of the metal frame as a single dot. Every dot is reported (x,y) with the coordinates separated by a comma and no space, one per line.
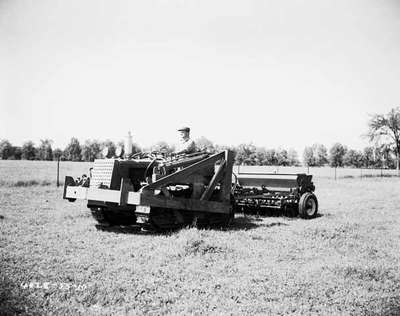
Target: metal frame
(194,174)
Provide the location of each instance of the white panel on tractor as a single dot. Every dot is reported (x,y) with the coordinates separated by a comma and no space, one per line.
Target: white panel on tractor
(102,172)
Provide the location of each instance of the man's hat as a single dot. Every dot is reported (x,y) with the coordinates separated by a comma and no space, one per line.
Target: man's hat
(184,129)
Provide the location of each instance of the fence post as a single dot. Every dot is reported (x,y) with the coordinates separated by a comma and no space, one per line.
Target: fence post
(58,172)
(335,172)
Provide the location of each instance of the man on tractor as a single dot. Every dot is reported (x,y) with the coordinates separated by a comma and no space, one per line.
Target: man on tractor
(186,144)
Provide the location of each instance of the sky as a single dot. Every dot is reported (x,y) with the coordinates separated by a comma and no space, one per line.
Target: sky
(276,73)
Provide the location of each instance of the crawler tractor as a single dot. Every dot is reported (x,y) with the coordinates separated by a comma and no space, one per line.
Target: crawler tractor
(158,193)
(162,194)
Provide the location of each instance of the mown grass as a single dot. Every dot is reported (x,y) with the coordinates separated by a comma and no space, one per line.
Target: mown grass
(343,262)
(25,173)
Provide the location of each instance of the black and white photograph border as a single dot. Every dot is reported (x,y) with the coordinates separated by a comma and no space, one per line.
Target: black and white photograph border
(196,157)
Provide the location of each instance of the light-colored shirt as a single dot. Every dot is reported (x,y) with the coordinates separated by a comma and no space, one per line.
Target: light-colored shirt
(186,146)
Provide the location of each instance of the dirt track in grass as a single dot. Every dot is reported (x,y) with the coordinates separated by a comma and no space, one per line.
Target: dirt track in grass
(347,261)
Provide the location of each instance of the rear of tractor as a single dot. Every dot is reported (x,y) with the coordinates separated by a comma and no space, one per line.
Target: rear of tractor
(287,192)
(157,193)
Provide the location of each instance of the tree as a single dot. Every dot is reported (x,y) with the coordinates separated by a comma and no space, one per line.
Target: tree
(91,150)
(261,156)
(45,151)
(73,151)
(246,154)
(111,147)
(316,155)
(271,157)
(204,144)
(353,158)
(336,154)
(16,153)
(163,147)
(282,157)
(308,157)
(293,157)
(57,153)
(384,153)
(320,154)
(386,129)
(28,150)
(368,157)
(6,149)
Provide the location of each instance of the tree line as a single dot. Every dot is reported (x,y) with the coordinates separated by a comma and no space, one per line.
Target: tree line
(383,133)
(74,151)
(316,155)
(340,155)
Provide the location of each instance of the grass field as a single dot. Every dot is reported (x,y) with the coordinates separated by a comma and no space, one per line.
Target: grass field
(26,172)
(55,261)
